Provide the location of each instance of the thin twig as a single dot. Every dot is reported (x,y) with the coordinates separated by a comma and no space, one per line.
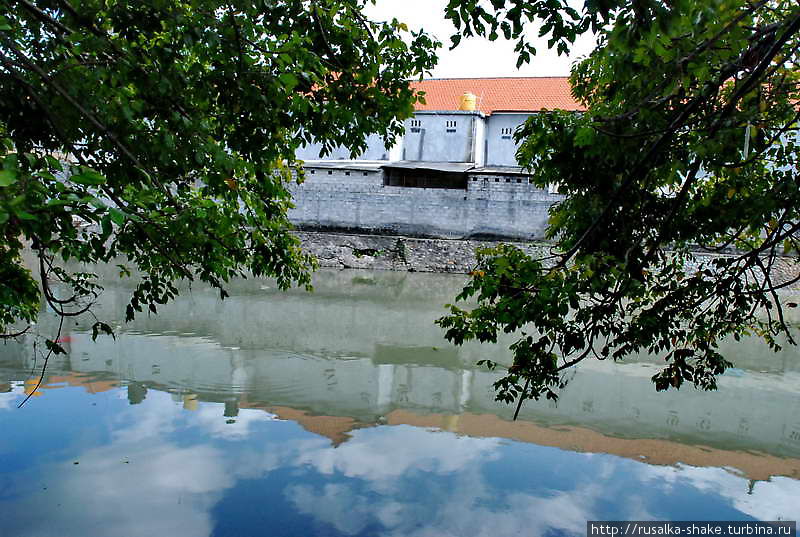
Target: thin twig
(44,366)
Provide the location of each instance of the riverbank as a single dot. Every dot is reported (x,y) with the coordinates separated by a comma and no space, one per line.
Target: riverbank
(412,254)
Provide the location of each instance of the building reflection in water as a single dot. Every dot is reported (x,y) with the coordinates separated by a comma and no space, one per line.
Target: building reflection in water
(351,356)
(346,413)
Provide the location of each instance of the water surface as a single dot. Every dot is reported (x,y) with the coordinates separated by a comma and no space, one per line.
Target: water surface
(344,412)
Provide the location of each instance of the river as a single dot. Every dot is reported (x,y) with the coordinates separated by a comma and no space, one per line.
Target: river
(344,412)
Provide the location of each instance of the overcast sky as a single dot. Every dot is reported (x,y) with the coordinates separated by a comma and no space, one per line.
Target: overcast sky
(474,57)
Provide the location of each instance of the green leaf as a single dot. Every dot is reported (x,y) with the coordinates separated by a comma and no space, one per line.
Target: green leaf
(54,163)
(88,177)
(288,80)
(24,215)
(8,177)
(117,216)
(584,137)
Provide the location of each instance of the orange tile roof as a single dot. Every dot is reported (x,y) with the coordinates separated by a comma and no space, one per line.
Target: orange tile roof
(89,383)
(756,465)
(513,94)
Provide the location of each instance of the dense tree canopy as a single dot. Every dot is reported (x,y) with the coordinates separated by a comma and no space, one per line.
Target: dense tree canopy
(161,135)
(689,143)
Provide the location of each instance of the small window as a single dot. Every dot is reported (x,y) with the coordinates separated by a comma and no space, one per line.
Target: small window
(313,172)
(416,123)
(496,179)
(519,181)
(508,180)
(330,172)
(365,174)
(347,173)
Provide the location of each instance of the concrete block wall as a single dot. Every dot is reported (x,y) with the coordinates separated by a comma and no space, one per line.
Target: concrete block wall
(358,202)
(511,187)
(352,180)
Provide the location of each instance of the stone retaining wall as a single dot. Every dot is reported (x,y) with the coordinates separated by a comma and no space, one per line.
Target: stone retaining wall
(384,252)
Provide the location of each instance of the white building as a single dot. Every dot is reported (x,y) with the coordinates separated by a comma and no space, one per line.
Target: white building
(453,174)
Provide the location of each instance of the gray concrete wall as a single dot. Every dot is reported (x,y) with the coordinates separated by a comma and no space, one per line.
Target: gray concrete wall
(376,150)
(441,137)
(484,141)
(479,157)
(500,146)
(496,206)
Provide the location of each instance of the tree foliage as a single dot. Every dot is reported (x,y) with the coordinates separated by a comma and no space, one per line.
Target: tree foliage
(161,135)
(689,143)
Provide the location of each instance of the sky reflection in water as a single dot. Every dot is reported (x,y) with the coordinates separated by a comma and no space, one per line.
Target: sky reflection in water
(175,464)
